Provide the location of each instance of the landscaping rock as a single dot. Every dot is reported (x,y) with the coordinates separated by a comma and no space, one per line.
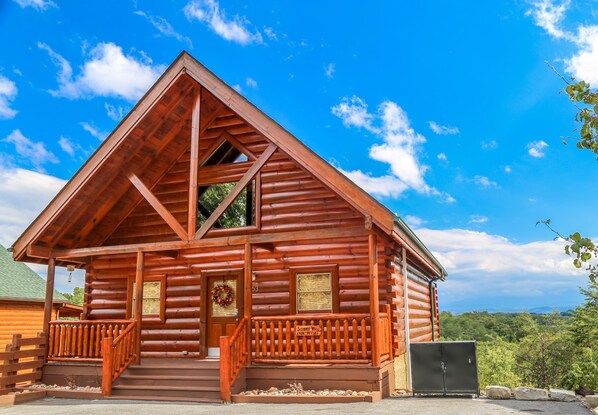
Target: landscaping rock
(584,391)
(523,393)
(592,401)
(498,392)
(562,395)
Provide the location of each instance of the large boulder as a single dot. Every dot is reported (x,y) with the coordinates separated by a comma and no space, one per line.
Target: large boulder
(498,392)
(592,401)
(523,393)
(562,395)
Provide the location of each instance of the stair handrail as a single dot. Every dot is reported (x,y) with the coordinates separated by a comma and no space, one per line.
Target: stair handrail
(118,354)
(233,356)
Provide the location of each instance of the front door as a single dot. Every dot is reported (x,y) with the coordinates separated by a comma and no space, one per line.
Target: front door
(224,308)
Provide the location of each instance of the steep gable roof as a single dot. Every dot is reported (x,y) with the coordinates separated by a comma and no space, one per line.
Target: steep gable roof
(18,281)
(132,128)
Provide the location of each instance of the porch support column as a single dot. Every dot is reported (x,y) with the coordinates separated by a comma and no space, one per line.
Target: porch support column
(248,294)
(49,300)
(194,165)
(406,308)
(139,302)
(374,297)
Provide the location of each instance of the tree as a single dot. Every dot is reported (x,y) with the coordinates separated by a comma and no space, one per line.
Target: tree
(497,363)
(77,297)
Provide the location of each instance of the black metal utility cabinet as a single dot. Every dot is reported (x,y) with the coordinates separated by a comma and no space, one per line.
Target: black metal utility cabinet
(445,368)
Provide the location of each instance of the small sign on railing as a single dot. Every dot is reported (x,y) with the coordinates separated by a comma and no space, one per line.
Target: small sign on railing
(305,331)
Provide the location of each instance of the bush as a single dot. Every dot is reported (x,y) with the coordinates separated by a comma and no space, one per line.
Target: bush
(497,363)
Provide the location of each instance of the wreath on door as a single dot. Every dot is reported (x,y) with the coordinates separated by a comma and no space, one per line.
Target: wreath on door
(222,294)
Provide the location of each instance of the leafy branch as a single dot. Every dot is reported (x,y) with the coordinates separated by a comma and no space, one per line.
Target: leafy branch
(581,249)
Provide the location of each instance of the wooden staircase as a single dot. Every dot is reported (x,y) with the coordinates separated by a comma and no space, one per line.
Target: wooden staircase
(170,380)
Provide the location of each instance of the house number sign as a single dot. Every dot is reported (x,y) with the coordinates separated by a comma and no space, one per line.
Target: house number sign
(305,331)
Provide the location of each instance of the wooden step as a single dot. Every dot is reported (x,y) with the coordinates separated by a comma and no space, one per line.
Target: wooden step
(162,398)
(155,392)
(173,380)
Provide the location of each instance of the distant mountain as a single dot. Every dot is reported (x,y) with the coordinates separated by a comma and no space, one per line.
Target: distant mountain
(548,310)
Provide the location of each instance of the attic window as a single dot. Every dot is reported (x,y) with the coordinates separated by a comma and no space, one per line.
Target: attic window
(225,153)
(241,212)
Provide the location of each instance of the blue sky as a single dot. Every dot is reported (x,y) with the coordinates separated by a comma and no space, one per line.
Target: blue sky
(444,111)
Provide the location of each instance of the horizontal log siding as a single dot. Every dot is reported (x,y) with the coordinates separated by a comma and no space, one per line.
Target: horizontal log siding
(291,199)
(420,325)
(20,318)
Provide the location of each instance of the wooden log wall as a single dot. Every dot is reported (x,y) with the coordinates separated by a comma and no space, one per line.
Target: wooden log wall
(420,311)
(25,318)
(291,199)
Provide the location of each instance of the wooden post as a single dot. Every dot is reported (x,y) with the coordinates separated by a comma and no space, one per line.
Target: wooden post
(138,303)
(248,295)
(388,311)
(374,298)
(49,301)
(107,366)
(406,308)
(225,386)
(194,165)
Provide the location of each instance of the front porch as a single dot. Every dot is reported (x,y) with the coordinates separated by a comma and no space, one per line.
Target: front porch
(313,349)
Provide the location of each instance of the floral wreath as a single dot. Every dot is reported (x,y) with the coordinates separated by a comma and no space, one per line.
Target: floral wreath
(222,295)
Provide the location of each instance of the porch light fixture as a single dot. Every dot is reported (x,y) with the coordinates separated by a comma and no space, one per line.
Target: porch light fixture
(70,268)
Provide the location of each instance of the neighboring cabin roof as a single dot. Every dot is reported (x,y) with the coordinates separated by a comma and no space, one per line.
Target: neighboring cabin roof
(19,282)
(360,200)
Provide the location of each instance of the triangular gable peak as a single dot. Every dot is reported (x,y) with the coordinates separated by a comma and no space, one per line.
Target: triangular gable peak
(163,129)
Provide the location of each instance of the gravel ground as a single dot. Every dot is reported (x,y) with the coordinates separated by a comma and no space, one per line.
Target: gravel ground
(403,406)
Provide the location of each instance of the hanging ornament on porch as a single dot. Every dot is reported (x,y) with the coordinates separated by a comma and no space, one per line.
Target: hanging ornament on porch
(222,294)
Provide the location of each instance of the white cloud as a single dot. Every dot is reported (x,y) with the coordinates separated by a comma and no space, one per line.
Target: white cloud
(478,219)
(414,221)
(384,186)
(584,64)
(67,146)
(234,30)
(329,70)
(31,151)
(237,88)
(442,157)
(251,83)
(164,27)
(115,112)
(23,195)
(108,72)
(489,145)
(549,15)
(484,182)
(442,129)
(94,131)
(464,251)
(537,149)
(39,5)
(354,113)
(8,92)
(270,34)
(400,149)
(508,169)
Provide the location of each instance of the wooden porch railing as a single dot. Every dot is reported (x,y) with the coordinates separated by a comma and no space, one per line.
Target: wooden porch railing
(342,338)
(233,356)
(118,354)
(81,340)
(22,361)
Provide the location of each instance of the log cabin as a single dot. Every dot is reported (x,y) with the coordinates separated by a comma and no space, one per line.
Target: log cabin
(221,254)
(22,295)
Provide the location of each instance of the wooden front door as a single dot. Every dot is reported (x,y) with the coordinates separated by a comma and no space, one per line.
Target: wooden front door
(222,319)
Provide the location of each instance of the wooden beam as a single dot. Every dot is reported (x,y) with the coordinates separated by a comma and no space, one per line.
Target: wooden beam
(238,145)
(374,297)
(194,165)
(138,312)
(159,207)
(49,300)
(248,292)
(204,157)
(234,193)
(260,238)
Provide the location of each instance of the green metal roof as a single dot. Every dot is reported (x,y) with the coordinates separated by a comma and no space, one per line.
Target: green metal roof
(18,281)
